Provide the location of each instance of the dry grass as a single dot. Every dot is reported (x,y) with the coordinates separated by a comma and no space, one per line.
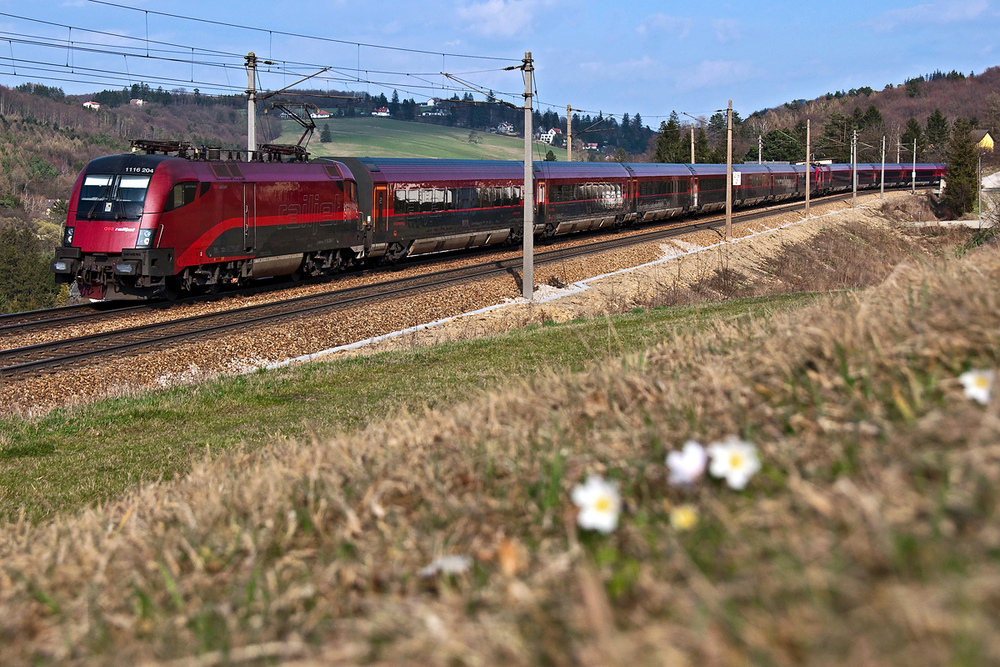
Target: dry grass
(870,537)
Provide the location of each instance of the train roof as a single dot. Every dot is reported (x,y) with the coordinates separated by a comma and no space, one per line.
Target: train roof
(653,169)
(580,170)
(433,169)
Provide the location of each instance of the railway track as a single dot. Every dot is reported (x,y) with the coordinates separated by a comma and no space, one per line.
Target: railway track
(49,356)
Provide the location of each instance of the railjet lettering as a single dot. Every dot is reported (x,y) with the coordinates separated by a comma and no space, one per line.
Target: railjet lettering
(311,205)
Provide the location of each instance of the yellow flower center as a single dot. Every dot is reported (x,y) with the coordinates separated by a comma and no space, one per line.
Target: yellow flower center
(684,517)
(735,460)
(981,382)
(603,504)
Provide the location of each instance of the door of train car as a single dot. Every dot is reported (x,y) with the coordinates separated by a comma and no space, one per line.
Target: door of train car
(249,217)
(381,208)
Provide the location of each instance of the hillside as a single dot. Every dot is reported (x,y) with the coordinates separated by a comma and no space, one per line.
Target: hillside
(834,116)
(331,514)
(386,137)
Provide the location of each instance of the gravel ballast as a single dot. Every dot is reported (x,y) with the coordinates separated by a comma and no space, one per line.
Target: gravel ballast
(239,352)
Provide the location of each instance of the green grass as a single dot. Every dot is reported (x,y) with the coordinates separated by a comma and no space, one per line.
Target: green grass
(385,137)
(73,457)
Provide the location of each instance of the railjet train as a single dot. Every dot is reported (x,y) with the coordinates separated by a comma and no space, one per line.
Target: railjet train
(168,219)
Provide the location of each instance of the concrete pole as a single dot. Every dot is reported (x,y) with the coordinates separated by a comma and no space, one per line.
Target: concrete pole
(808,166)
(729,172)
(528,270)
(760,149)
(251,105)
(569,133)
(882,192)
(692,143)
(854,170)
(913,174)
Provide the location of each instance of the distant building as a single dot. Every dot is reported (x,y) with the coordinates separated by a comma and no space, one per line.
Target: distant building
(382,112)
(550,135)
(593,147)
(982,139)
(92,105)
(505,128)
(320,114)
(136,102)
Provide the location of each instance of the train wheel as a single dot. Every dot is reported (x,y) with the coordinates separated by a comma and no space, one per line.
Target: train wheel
(172,289)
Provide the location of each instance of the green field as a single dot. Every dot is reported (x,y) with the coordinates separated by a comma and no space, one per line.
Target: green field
(385,137)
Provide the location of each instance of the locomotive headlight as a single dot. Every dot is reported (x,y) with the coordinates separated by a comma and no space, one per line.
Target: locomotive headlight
(145,238)
(60,267)
(68,237)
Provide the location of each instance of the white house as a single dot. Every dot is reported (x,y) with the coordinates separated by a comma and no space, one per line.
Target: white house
(92,105)
(550,135)
(319,114)
(382,112)
(505,128)
(136,102)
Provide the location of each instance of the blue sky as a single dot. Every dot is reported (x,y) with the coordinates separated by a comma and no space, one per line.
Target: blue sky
(622,57)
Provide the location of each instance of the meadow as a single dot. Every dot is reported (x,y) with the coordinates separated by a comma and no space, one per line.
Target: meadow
(421,506)
(385,137)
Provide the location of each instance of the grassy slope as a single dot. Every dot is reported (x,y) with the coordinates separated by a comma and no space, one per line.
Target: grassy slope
(385,137)
(94,453)
(869,537)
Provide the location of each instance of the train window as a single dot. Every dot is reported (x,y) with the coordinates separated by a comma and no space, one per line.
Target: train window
(95,188)
(181,194)
(403,200)
(205,187)
(132,188)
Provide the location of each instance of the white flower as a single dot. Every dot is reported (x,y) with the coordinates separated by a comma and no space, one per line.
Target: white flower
(447,565)
(687,465)
(977,385)
(599,504)
(734,459)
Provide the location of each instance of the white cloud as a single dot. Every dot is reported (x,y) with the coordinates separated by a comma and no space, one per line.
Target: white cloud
(663,24)
(936,12)
(726,30)
(498,18)
(711,73)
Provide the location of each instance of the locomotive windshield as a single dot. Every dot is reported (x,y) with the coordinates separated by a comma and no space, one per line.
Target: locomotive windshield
(112,197)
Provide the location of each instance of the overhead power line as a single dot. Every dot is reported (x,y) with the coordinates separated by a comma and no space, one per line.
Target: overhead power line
(302,36)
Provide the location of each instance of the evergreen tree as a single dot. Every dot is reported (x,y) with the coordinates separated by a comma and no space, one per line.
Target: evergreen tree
(25,280)
(835,141)
(702,151)
(779,145)
(961,186)
(913,131)
(666,142)
(937,131)
(324,135)
(873,118)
